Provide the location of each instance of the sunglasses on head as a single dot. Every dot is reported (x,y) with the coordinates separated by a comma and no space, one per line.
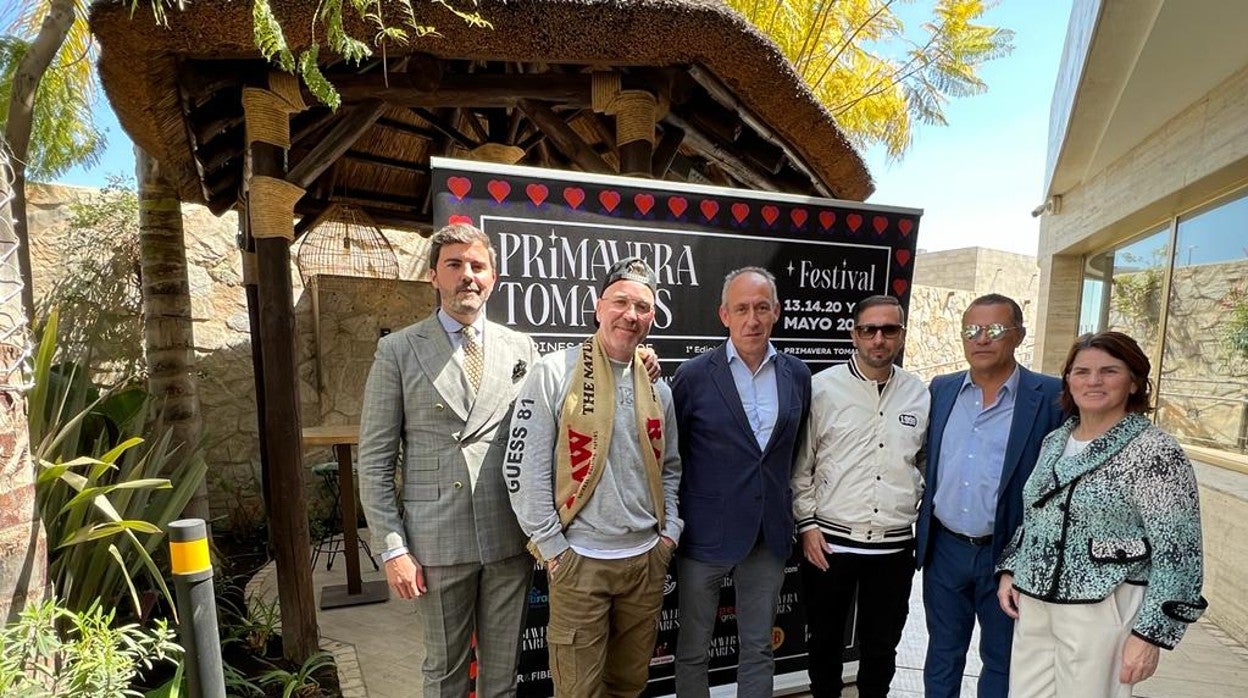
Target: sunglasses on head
(868,331)
(994,331)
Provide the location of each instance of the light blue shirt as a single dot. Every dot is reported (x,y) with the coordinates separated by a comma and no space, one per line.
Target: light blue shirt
(759,396)
(972,455)
(455,330)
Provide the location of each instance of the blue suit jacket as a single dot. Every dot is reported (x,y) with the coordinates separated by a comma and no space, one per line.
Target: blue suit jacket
(1036,413)
(729,488)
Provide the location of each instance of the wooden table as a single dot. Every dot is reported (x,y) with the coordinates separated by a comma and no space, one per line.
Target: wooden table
(355,592)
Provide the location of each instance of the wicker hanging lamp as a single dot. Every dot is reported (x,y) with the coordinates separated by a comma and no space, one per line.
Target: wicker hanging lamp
(346,243)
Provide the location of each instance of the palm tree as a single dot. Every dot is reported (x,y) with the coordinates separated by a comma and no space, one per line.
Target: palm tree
(169,339)
(838,47)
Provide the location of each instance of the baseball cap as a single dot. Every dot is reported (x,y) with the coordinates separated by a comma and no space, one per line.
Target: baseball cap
(630,269)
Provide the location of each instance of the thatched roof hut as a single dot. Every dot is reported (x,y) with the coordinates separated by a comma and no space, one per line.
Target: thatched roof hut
(730,109)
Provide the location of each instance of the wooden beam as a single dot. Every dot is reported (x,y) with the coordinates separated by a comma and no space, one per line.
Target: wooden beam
(314,218)
(445,127)
(564,139)
(531,140)
(341,137)
(306,123)
(761,152)
(724,96)
(666,150)
(474,90)
(382,161)
(712,150)
(410,129)
(366,196)
(474,125)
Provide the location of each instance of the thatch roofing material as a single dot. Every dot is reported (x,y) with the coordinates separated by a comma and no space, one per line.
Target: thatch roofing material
(139,62)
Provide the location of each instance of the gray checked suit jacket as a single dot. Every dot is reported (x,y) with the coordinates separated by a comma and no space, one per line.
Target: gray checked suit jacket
(416,397)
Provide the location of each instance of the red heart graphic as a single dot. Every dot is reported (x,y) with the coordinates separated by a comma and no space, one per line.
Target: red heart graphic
(644,203)
(880,223)
(459,186)
(677,205)
(709,208)
(903,257)
(609,199)
(770,214)
(900,286)
(905,225)
(826,219)
(499,189)
(740,211)
(853,220)
(459,219)
(574,196)
(537,193)
(798,216)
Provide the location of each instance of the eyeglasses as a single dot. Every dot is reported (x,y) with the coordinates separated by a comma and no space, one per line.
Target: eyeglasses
(621,304)
(868,331)
(995,331)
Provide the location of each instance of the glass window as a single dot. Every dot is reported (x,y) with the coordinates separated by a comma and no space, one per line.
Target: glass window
(1203,387)
(1122,289)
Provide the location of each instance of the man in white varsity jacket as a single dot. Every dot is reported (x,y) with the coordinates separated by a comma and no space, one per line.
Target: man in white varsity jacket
(856,491)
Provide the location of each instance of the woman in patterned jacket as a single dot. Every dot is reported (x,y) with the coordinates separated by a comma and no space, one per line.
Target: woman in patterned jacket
(1106,567)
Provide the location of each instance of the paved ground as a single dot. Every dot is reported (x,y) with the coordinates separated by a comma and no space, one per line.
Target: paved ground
(379,651)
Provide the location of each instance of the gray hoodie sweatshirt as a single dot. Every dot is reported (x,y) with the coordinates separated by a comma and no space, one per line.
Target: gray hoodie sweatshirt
(619,514)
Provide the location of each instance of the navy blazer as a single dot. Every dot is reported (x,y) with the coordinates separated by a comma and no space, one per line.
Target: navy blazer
(730,489)
(1036,413)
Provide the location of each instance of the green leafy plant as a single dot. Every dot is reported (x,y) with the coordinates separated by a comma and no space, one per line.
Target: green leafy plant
(1235,327)
(104,512)
(302,682)
(91,656)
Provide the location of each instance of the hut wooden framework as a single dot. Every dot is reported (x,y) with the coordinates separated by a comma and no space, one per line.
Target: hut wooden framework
(676,89)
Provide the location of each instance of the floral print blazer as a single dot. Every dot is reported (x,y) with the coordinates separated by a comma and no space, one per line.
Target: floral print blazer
(1125,510)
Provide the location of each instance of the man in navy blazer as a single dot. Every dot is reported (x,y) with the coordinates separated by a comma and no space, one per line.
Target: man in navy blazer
(740,410)
(983,439)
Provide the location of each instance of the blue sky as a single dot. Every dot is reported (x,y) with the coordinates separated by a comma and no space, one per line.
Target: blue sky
(977,179)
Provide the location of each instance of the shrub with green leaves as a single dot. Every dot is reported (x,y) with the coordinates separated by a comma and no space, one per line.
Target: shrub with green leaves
(54,651)
(104,493)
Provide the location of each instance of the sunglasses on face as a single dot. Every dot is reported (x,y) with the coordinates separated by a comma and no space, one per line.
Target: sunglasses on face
(995,331)
(868,331)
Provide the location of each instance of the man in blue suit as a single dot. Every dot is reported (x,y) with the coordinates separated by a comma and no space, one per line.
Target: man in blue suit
(740,410)
(983,438)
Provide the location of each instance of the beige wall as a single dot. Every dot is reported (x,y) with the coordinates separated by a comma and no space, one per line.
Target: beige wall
(1199,155)
(1195,157)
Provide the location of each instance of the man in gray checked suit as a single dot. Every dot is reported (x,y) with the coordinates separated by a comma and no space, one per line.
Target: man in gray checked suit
(441,389)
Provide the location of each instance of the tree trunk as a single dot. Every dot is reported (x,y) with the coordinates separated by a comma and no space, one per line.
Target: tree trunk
(23,549)
(169,340)
(26,80)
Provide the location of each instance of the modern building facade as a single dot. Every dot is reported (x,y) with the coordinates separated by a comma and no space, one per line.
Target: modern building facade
(1144,229)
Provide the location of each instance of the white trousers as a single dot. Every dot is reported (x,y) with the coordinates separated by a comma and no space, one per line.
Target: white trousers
(1072,650)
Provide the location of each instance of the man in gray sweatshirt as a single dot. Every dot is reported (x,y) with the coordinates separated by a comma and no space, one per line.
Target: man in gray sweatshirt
(593,469)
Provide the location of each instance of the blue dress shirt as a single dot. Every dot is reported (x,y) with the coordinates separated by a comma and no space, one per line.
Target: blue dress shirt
(972,455)
(759,396)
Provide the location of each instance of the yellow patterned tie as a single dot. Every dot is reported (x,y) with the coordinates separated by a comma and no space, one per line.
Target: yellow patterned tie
(474,361)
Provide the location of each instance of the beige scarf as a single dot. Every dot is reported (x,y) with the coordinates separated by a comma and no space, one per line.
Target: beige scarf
(585,422)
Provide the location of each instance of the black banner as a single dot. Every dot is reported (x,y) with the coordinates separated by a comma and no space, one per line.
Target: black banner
(558,232)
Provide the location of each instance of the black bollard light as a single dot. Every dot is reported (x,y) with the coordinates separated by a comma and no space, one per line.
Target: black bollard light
(197,608)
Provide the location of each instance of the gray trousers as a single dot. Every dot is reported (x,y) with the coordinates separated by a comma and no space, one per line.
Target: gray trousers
(757,580)
(488,600)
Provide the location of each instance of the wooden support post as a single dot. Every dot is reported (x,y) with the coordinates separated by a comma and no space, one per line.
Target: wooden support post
(283,443)
(634,132)
(665,152)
